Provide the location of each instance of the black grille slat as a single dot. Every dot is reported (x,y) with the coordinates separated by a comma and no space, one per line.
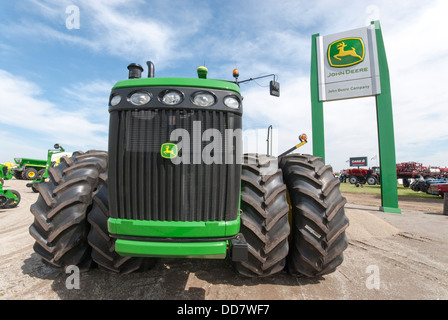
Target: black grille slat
(145,186)
(141,185)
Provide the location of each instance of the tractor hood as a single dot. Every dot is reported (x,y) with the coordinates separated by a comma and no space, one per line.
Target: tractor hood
(178,82)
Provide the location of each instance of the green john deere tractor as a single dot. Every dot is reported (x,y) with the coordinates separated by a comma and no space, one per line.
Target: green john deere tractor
(174,183)
(53,159)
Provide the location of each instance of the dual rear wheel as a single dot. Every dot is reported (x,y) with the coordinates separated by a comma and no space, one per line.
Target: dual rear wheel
(304,189)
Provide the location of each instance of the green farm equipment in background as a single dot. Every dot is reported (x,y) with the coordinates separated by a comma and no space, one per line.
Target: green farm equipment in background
(53,158)
(5,173)
(33,169)
(8,198)
(28,169)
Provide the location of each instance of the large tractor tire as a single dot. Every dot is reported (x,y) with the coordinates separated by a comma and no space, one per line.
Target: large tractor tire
(103,246)
(264,217)
(318,216)
(60,225)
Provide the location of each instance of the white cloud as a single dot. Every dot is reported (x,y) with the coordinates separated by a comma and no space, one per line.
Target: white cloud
(91,98)
(24,110)
(116,27)
(125,33)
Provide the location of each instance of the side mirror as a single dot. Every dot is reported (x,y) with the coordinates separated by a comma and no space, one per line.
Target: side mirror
(274,88)
(56,146)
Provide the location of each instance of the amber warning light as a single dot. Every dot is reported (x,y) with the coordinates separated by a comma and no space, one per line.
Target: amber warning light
(236,74)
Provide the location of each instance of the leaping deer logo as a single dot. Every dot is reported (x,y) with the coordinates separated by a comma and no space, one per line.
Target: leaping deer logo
(342,53)
(168,150)
(340,57)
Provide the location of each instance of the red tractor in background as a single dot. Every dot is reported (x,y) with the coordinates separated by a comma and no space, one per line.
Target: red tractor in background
(363,176)
(405,171)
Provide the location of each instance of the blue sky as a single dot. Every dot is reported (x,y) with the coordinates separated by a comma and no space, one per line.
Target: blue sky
(55,81)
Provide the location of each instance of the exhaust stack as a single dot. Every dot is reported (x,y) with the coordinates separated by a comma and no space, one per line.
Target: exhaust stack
(135,71)
(150,69)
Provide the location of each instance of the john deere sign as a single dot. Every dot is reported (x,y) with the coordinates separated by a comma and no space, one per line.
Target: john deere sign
(348,65)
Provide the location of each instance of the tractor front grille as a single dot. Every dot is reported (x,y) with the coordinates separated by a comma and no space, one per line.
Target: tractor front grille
(145,186)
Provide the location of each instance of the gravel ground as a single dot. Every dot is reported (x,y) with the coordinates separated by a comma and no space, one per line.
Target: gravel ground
(389,256)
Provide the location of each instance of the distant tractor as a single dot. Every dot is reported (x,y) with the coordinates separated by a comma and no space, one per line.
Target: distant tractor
(33,169)
(53,158)
(363,176)
(27,168)
(176,184)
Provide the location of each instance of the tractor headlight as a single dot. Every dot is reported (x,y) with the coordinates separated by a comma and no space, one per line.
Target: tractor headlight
(139,98)
(172,97)
(232,102)
(203,99)
(116,99)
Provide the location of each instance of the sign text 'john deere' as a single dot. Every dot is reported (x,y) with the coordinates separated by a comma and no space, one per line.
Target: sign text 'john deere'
(348,65)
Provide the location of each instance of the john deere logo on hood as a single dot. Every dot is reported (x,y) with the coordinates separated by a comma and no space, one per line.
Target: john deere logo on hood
(168,150)
(346,52)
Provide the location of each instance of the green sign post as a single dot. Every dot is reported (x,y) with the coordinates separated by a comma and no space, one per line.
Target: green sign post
(349,65)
